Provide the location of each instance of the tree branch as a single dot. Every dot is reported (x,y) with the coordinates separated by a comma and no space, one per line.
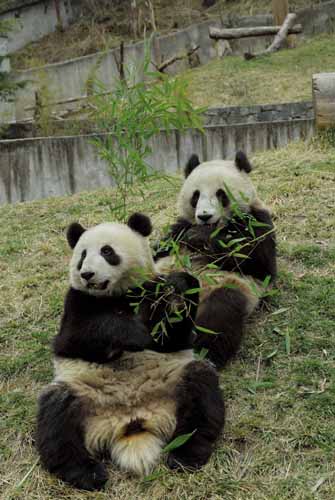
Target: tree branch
(279,40)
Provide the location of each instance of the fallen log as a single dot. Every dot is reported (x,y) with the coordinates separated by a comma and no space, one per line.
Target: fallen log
(324,99)
(280,9)
(236,33)
(279,40)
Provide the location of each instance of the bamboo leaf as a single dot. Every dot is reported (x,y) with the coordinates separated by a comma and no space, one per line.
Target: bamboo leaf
(206,330)
(280,311)
(288,342)
(192,291)
(177,442)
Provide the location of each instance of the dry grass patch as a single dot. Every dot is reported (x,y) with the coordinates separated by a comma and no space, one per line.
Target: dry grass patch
(279,438)
(103,29)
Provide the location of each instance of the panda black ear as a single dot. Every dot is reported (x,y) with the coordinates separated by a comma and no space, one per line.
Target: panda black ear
(73,233)
(140,223)
(242,162)
(191,164)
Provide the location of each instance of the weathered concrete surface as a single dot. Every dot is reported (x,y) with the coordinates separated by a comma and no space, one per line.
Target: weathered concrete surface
(36,19)
(318,18)
(233,115)
(259,113)
(37,168)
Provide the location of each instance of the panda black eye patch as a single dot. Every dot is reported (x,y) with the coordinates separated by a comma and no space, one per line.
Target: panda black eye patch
(81,260)
(110,256)
(222,197)
(195,198)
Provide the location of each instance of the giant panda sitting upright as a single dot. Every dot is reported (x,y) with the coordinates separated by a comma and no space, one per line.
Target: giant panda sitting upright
(116,392)
(222,226)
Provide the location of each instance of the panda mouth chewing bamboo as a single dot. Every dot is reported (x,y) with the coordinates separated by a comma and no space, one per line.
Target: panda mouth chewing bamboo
(98,286)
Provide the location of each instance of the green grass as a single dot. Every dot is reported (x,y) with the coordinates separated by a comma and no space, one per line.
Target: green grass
(285,76)
(279,440)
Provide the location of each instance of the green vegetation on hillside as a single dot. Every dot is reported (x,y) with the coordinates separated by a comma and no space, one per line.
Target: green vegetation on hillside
(281,77)
(279,439)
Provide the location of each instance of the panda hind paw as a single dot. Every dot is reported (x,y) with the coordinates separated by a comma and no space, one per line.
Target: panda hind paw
(179,464)
(89,478)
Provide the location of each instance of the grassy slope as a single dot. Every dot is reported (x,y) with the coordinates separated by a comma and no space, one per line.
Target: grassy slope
(284,76)
(279,439)
(91,34)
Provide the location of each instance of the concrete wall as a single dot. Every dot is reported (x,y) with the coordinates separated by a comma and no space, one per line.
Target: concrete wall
(37,168)
(35,20)
(261,113)
(318,18)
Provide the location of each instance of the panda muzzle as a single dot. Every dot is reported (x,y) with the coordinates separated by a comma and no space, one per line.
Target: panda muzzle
(97,286)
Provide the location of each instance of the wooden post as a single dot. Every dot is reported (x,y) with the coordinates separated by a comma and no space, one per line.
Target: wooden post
(134,13)
(280,9)
(58,15)
(324,99)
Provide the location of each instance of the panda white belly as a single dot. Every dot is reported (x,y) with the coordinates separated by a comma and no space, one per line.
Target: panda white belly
(131,403)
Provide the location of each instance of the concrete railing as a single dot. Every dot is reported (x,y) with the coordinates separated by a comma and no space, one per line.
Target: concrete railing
(37,168)
(35,19)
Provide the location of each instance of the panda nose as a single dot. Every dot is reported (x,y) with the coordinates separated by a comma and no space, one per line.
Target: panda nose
(87,276)
(204,217)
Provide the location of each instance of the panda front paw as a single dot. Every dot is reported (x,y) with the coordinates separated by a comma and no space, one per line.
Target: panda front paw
(182,281)
(90,477)
(198,236)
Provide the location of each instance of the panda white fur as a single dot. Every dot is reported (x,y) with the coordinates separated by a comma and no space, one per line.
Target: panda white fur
(223,223)
(117,393)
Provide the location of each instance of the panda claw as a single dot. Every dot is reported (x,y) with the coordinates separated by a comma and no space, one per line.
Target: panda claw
(182,281)
(177,464)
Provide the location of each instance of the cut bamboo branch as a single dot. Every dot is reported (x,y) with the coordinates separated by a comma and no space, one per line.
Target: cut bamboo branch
(162,66)
(55,103)
(236,33)
(279,40)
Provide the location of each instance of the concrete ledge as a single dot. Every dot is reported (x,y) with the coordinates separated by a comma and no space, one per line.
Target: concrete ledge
(259,113)
(31,169)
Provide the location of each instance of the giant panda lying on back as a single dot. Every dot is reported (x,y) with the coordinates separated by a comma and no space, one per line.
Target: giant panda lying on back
(222,226)
(116,392)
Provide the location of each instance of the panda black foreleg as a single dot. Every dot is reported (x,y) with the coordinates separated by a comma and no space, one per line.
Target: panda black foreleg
(60,440)
(200,409)
(163,247)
